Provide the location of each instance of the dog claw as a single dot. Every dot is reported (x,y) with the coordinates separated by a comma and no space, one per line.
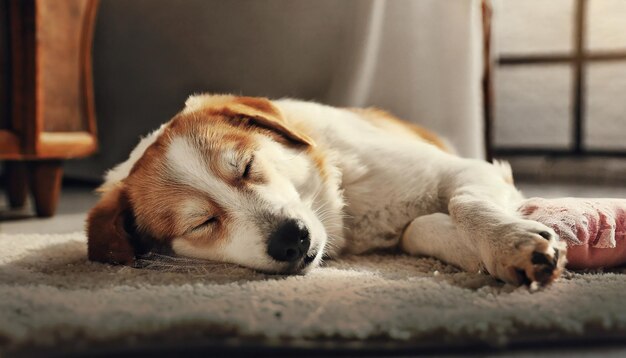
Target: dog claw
(544,268)
(522,277)
(543,274)
(539,258)
(540,273)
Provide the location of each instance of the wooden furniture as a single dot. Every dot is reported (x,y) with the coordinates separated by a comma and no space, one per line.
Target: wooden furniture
(487,81)
(49,114)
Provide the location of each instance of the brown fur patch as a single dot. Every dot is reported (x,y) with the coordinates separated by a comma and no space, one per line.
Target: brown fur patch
(210,234)
(108,241)
(159,212)
(319,160)
(261,104)
(386,121)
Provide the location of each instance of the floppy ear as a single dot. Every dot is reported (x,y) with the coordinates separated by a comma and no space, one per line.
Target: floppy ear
(260,110)
(111,236)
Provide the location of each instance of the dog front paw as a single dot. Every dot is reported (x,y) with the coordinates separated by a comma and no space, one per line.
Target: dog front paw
(525,252)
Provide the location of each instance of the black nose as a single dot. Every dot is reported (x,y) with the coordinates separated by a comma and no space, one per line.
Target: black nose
(289,242)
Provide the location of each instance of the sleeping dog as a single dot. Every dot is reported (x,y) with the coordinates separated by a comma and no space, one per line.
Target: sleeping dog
(279,185)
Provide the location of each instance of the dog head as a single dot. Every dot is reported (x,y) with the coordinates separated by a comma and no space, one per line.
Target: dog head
(227,179)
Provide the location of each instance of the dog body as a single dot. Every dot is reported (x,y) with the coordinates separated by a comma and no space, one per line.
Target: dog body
(278,185)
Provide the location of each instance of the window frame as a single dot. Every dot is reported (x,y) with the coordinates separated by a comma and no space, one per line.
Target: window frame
(578,60)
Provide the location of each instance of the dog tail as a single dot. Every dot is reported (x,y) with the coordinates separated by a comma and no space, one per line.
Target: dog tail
(505,170)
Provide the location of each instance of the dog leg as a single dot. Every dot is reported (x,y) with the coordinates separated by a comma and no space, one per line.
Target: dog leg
(482,205)
(436,235)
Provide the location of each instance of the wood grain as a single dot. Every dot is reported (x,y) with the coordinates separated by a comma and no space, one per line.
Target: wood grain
(66,144)
(24,74)
(45,182)
(59,33)
(16,183)
(59,145)
(10,146)
(52,111)
(5,78)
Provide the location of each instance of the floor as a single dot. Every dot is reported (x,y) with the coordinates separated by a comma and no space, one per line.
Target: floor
(76,200)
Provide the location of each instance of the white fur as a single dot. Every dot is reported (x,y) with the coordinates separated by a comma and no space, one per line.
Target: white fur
(186,166)
(288,175)
(389,181)
(377,185)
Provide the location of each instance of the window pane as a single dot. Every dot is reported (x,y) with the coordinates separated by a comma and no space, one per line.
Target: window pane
(606,25)
(534,26)
(605,125)
(532,106)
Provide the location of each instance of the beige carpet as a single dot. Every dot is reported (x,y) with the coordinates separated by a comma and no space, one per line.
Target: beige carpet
(50,295)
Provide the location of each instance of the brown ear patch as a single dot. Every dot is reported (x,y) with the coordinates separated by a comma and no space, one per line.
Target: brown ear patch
(260,104)
(260,111)
(108,240)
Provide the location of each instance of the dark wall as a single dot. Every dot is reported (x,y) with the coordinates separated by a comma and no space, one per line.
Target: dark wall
(149,55)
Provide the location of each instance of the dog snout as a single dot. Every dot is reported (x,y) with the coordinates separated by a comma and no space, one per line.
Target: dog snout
(289,242)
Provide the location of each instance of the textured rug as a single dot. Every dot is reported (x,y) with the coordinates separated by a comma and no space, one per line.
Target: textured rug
(50,295)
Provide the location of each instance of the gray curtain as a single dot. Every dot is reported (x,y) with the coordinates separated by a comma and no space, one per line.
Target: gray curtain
(420,59)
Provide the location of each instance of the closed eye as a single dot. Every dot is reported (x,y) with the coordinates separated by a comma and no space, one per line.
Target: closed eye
(248,168)
(210,221)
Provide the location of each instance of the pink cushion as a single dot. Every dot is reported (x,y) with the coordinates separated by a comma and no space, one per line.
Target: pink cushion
(594,229)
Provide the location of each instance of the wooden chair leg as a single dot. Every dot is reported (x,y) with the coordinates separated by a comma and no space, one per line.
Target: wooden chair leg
(45,181)
(16,183)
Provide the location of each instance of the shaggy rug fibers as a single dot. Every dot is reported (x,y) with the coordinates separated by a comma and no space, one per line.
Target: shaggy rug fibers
(50,295)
